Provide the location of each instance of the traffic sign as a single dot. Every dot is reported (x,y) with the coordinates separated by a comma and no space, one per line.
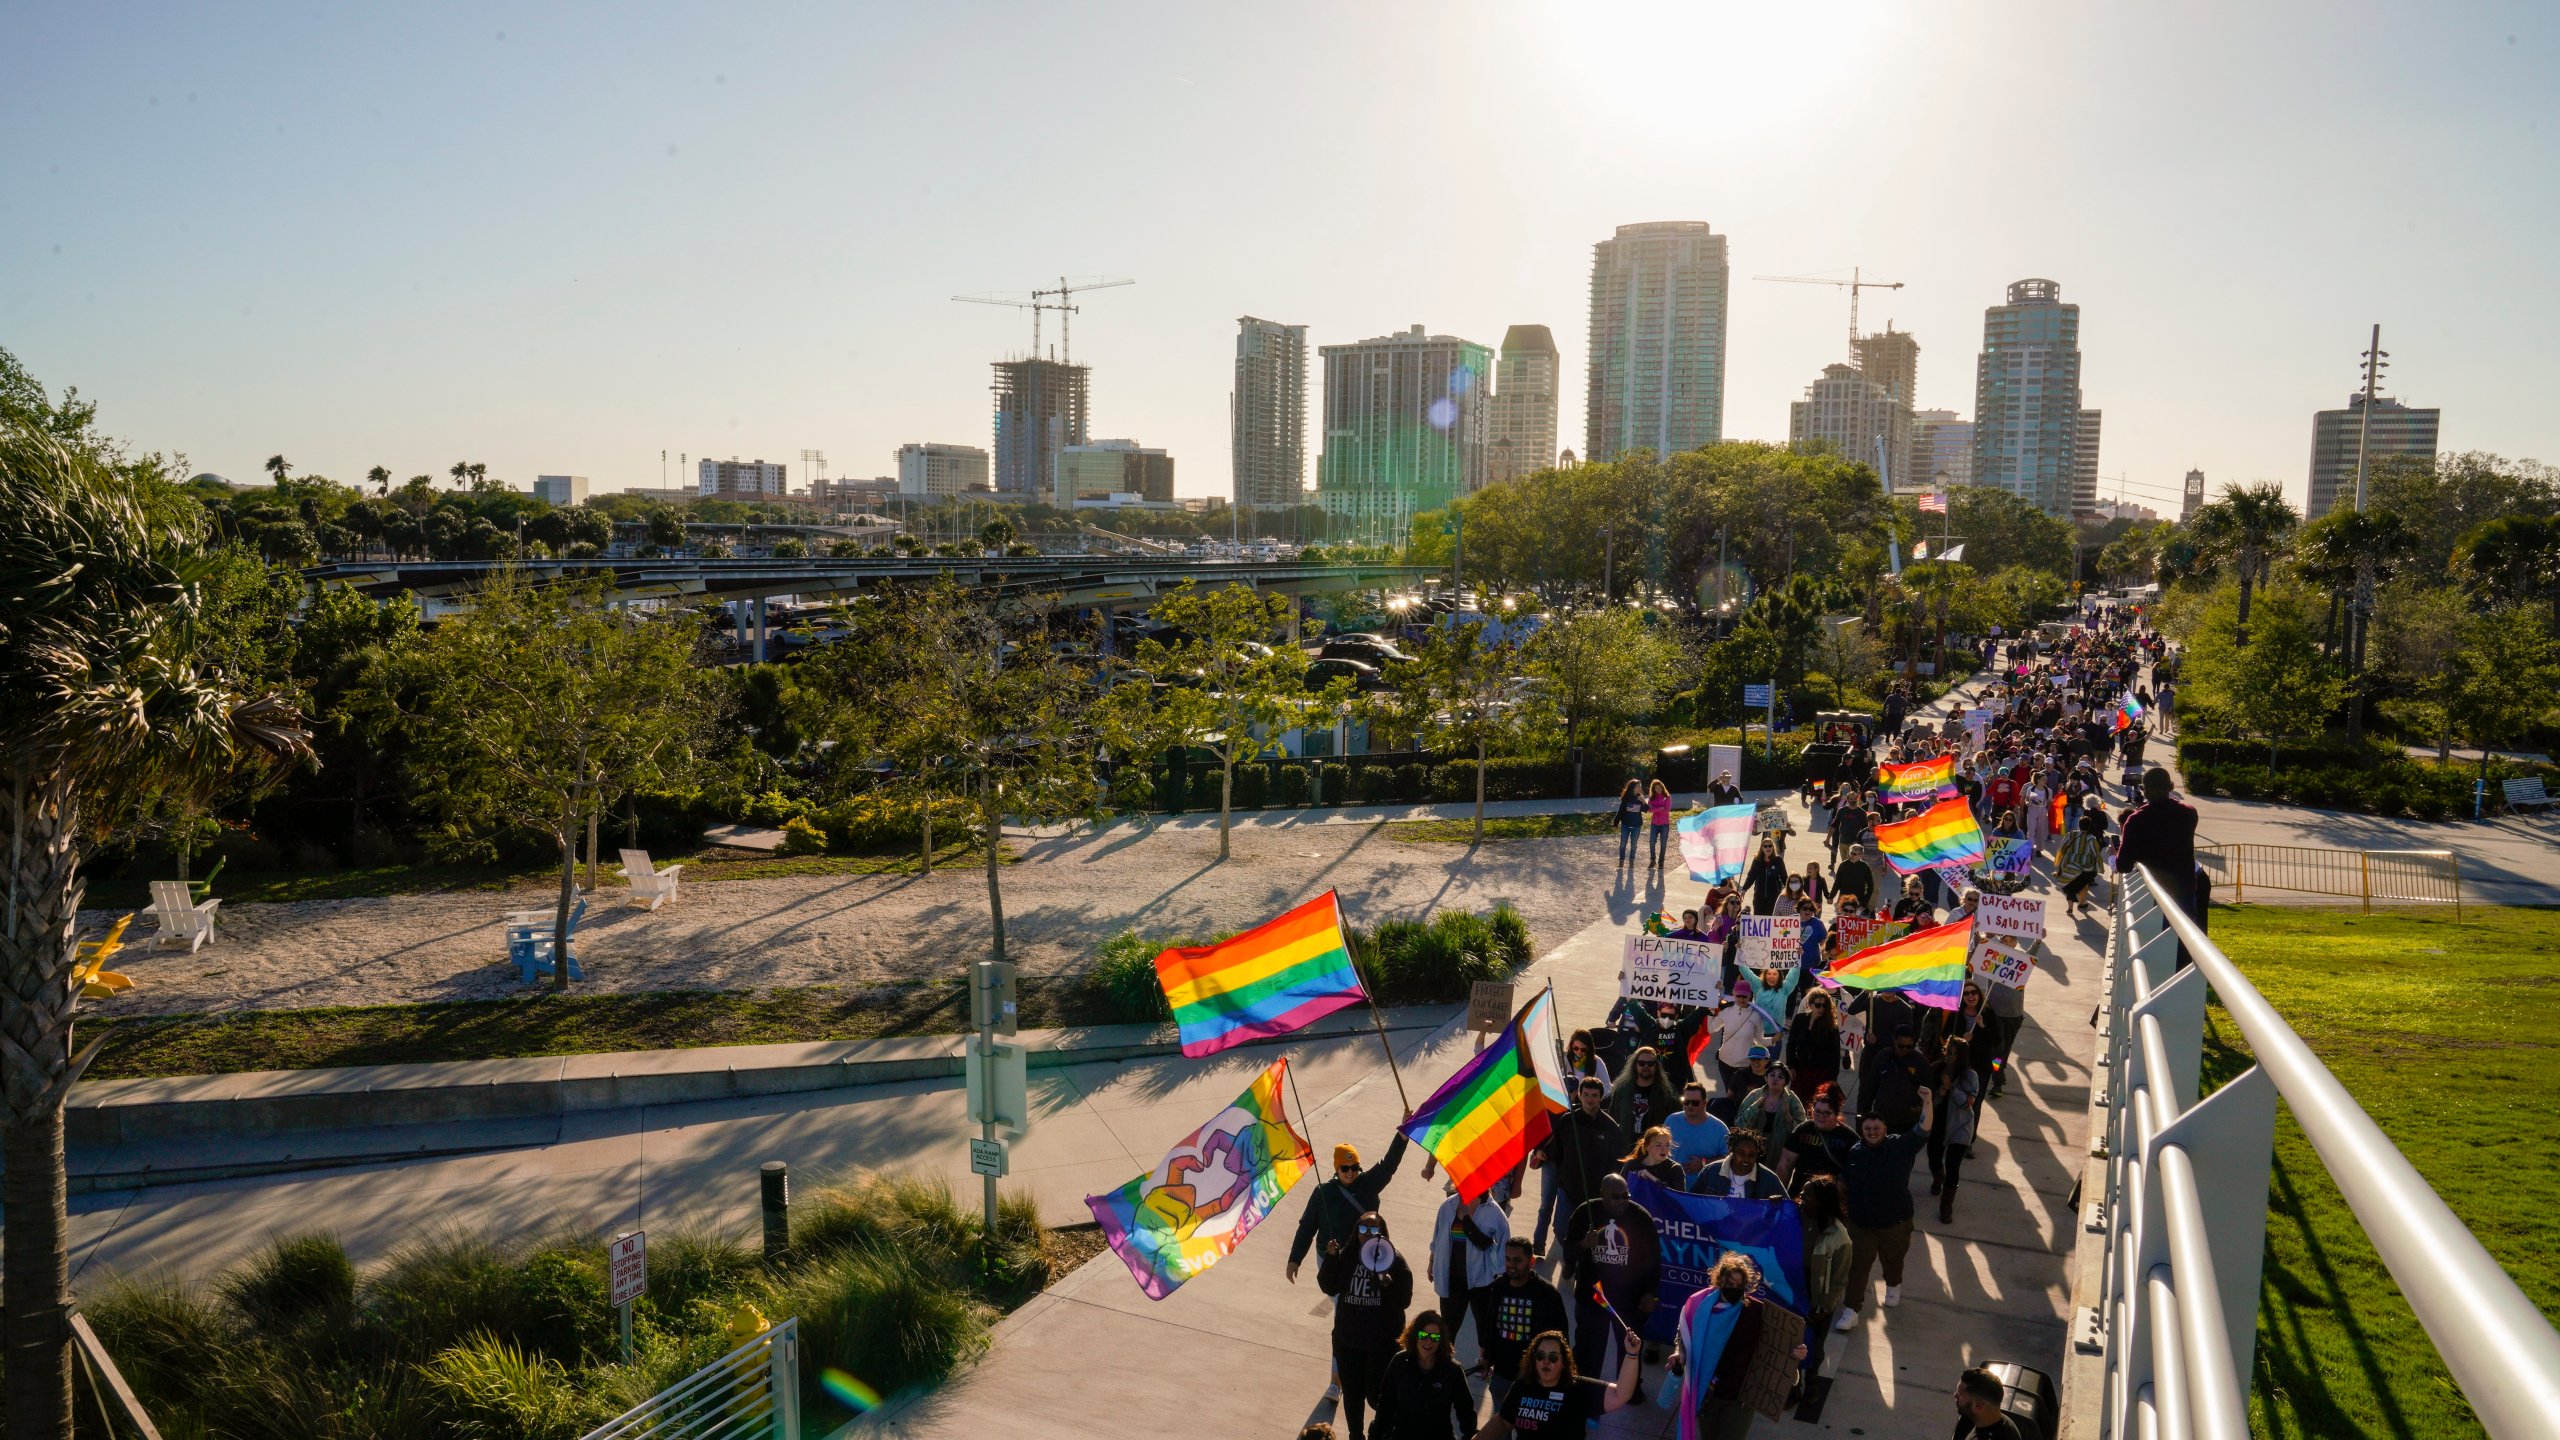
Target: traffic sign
(627,1261)
(1758,696)
(987,1157)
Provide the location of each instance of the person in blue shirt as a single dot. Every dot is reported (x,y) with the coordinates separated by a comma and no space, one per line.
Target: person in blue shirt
(1697,1137)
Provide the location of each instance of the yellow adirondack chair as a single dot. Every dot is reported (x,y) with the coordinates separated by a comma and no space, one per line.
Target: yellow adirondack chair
(88,970)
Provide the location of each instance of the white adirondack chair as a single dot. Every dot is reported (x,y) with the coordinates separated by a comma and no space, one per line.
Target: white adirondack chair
(182,921)
(649,886)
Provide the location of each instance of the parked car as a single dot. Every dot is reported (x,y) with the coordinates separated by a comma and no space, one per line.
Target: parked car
(1361,674)
(1367,649)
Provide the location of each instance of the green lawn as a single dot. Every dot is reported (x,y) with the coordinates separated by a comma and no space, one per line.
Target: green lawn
(1510,827)
(559,1025)
(707,867)
(2449,1035)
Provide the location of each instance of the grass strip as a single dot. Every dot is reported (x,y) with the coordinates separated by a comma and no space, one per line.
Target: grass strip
(2449,1036)
(1506,827)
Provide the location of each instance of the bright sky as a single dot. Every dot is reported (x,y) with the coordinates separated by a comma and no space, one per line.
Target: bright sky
(560,238)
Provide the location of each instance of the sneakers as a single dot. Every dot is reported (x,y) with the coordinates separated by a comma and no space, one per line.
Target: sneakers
(1848,1319)
(1892,1295)
(1333,1391)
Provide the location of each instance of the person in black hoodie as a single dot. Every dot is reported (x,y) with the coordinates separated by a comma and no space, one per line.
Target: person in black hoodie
(1585,1142)
(1369,1300)
(1334,1207)
(1424,1395)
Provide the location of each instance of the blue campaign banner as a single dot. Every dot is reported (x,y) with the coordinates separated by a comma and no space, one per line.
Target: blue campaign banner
(1697,1230)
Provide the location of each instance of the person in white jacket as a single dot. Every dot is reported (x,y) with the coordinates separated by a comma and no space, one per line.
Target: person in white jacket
(1466,1256)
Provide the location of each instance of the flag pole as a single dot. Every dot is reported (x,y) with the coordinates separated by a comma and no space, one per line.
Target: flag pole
(1377,1014)
(1304,1118)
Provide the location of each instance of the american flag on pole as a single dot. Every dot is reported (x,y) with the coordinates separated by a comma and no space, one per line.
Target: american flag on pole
(1934,503)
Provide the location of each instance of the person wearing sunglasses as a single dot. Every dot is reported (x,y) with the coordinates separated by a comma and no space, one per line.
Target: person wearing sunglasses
(1371,1285)
(1424,1395)
(1552,1400)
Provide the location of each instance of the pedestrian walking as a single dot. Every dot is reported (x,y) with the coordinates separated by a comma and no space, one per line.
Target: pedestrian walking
(1424,1395)
(1826,1268)
(1631,818)
(1613,1244)
(1371,1286)
(1719,1341)
(1951,1141)
(1334,1208)
(1581,1146)
(1875,1181)
(1550,1397)
(1517,1307)
(1466,1254)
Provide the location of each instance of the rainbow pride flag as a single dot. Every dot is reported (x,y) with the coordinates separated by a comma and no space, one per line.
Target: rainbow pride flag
(1207,1193)
(1944,837)
(1716,843)
(1483,1123)
(2126,710)
(1270,980)
(1917,781)
(1927,967)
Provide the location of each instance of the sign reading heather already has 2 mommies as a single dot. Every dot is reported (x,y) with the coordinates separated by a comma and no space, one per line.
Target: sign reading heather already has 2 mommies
(1682,972)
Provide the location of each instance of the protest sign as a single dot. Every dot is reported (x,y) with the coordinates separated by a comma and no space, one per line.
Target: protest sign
(1857,932)
(2019,917)
(1771,941)
(2012,856)
(1695,1231)
(1994,963)
(1659,968)
(1772,820)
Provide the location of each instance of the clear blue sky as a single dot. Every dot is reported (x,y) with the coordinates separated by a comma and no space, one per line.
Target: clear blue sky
(563,237)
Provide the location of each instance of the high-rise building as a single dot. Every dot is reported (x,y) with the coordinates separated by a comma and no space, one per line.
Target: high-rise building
(1404,430)
(2397,430)
(1268,411)
(1522,437)
(742,479)
(2193,497)
(2026,397)
(1854,414)
(561,490)
(1892,359)
(1041,409)
(1657,340)
(1941,452)
(2084,465)
(1113,471)
(933,468)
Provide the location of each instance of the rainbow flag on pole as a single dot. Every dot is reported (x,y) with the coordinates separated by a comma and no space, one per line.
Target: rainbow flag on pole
(1482,1124)
(1207,1193)
(1715,843)
(1917,781)
(1944,837)
(1928,967)
(1270,980)
(2126,710)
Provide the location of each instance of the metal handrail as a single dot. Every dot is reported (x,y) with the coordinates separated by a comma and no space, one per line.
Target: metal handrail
(754,1390)
(2501,1350)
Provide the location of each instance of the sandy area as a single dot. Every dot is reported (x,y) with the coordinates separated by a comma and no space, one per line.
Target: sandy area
(1066,896)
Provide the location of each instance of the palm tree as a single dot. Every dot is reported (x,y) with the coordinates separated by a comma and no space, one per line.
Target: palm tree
(279,467)
(110,707)
(380,475)
(460,472)
(2514,557)
(2356,550)
(479,472)
(2249,526)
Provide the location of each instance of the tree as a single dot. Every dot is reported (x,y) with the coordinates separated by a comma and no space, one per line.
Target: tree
(2513,557)
(996,534)
(1849,655)
(2362,547)
(1238,682)
(539,707)
(2506,673)
(2248,528)
(2278,686)
(1462,691)
(1598,671)
(790,548)
(380,476)
(279,467)
(111,707)
(2418,630)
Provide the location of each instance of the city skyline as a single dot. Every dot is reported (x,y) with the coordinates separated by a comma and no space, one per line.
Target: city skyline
(361,238)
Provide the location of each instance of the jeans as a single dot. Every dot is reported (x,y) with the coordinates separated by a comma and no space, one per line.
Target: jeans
(1661,843)
(1548,1194)
(1890,1245)
(1628,833)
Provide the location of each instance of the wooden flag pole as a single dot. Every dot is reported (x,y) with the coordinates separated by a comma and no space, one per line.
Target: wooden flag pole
(1304,1118)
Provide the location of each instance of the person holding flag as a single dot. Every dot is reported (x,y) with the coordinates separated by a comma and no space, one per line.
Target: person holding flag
(1719,1336)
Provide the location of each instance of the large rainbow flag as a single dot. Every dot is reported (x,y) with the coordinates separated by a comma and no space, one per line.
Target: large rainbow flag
(1269,980)
(2125,711)
(1929,967)
(1207,1193)
(1715,844)
(1483,1123)
(1944,837)
(1917,781)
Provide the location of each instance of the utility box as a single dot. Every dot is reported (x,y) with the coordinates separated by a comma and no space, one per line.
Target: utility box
(999,1085)
(993,1004)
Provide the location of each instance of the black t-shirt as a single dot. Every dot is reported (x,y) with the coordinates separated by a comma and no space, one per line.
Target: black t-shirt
(1566,1411)
(2005,1428)
(1818,1151)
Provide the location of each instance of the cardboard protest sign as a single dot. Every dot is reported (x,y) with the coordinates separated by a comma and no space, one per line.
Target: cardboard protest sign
(1771,942)
(1658,968)
(2018,917)
(1857,932)
(1993,962)
(2011,856)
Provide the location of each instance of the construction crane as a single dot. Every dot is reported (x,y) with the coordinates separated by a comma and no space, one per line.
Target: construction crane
(1856,282)
(1038,301)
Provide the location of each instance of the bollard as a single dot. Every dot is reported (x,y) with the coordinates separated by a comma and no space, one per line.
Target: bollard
(777,1211)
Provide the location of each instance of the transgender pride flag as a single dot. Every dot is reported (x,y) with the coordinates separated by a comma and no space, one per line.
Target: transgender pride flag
(1716,843)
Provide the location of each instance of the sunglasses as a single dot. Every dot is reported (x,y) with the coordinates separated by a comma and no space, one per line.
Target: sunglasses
(1426,1334)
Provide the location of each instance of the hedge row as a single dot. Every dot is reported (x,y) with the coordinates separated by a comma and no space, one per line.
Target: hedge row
(2336,777)
(1410,962)
(1407,780)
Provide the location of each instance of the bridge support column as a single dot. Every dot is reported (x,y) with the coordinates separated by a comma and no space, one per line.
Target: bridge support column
(760,628)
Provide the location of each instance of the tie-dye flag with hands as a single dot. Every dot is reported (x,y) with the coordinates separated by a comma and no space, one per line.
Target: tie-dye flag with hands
(1208,1192)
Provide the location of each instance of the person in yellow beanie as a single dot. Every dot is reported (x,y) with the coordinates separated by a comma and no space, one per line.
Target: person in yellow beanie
(1334,1208)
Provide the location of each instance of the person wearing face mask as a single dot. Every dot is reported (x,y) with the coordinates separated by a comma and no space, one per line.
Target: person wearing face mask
(1613,1243)
(1550,1399)
(1719,1338)
(1517,1307)
(1819,1144)
(1371,1286)
(1773,1109)
(1424,1395)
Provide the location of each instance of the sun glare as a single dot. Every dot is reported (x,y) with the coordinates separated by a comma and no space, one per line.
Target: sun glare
(1729,69)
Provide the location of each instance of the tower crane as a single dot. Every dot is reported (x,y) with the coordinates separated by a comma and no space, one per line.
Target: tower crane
(1039,300)
(1856,282)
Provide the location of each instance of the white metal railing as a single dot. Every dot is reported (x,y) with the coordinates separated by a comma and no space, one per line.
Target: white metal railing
(753,1390)
(2184,1209)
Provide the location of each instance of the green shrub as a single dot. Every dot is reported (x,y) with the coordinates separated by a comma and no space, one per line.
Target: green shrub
(1510,936)
(1413,783)
(885,823)
(881,1315)
(1415,963)
(1290,789)
(772,808)
(1206,783)
(492,1390)
(167,1339)
(1253,782)
(1376,785)
(1123,976)
(549,1299)
(296,1280)
(799,837)
(687,1268)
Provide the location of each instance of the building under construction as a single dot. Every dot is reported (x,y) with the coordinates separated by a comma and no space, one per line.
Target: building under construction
(1041,408)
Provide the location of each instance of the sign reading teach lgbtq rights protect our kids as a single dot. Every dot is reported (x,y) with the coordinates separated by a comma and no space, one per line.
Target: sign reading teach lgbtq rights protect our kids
(1771,942)
(1659,968)
(2018,917)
